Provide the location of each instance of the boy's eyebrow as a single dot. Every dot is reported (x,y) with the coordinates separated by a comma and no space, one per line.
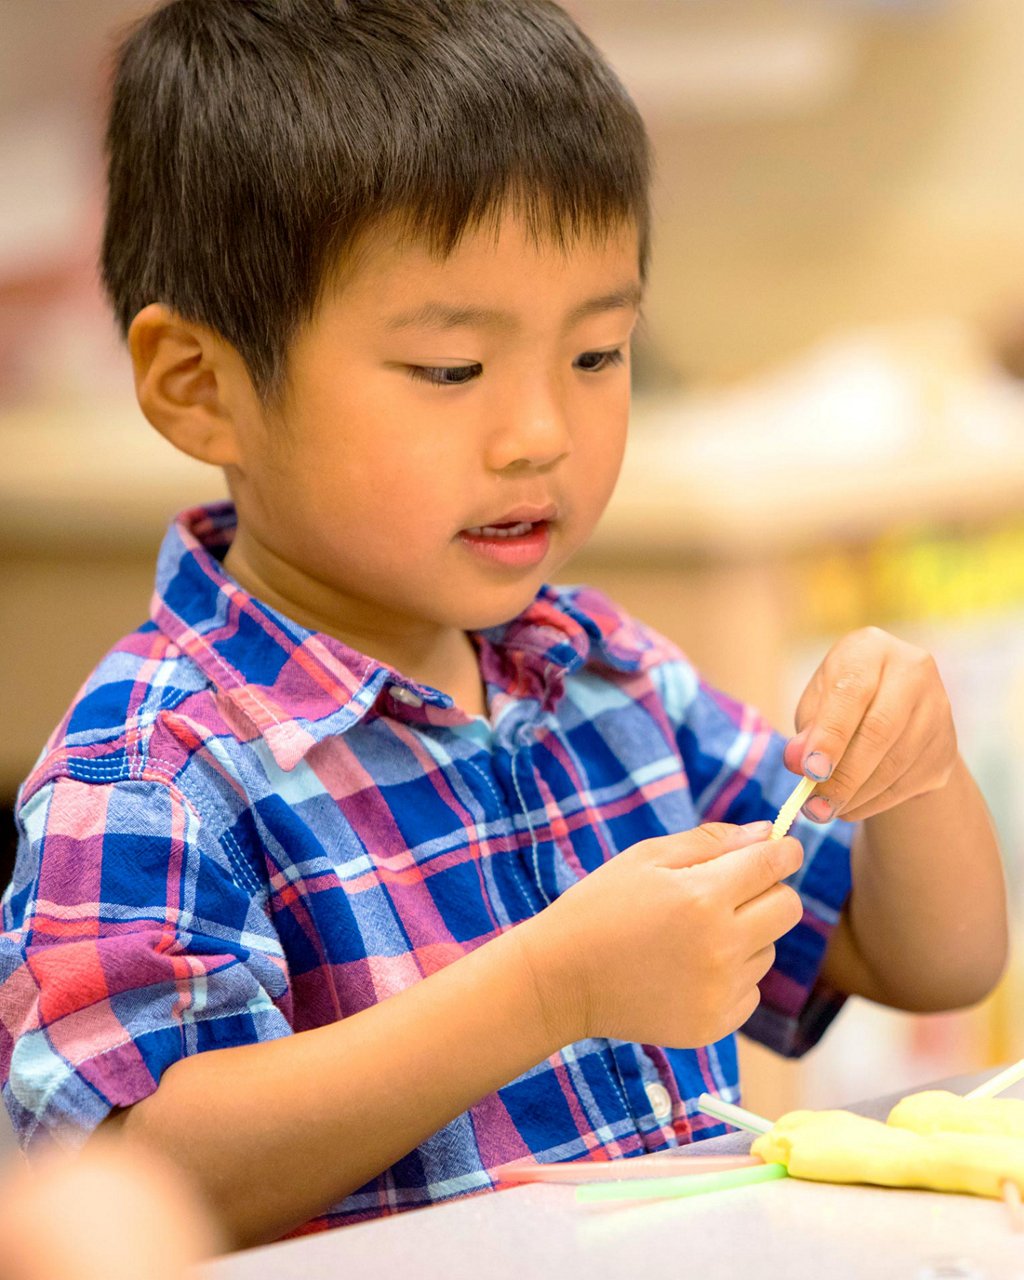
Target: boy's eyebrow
(444,315)
(626,296)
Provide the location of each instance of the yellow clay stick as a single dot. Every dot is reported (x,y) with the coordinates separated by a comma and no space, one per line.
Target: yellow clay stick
(788,812)
(838,1146)
(938,1111)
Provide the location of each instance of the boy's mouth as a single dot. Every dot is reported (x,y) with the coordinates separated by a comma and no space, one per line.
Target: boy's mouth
(503,530)
(519,540)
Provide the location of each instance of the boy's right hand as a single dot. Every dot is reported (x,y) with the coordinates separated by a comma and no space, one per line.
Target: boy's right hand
(667,941)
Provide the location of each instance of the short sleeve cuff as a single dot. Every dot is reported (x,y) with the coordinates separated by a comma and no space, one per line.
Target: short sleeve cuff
(791,1035)
(52,1101)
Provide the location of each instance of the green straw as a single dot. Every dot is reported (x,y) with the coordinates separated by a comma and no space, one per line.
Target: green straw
(691,1185)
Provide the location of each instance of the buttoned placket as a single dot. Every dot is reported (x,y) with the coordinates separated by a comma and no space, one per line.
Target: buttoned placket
(661,1101)
(528,795)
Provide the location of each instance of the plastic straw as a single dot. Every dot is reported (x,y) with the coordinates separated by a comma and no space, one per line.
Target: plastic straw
(643,1168)
(674,1188)
(731,1114)
(989,1088)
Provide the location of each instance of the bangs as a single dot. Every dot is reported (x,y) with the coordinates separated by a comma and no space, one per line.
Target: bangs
(251,145)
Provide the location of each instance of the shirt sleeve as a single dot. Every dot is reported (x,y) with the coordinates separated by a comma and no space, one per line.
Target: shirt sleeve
(733,761)
(129,941)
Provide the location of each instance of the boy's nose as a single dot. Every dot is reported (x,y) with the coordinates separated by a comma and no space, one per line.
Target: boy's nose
(534,435)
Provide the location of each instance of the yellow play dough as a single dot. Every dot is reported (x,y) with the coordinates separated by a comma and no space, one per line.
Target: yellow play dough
(936,1111)
(838,1146)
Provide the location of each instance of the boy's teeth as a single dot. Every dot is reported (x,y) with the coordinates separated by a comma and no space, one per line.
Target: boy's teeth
(502,531)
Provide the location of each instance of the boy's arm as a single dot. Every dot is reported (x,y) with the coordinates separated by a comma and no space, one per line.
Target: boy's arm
(276,1132)
(925,927)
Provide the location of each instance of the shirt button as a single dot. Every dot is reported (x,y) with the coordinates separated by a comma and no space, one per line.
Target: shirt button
(405,696)
(660,1099)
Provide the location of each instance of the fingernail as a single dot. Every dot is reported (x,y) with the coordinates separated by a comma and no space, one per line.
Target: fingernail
(818,809)
(758,829)
(818,766)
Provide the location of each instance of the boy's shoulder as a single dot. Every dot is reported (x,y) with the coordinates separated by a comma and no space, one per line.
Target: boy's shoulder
(106,732)
(189,674)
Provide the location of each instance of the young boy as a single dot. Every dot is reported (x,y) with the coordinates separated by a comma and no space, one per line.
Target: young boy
(370,862)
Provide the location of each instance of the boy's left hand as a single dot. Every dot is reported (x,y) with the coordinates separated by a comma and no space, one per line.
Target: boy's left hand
(875,722)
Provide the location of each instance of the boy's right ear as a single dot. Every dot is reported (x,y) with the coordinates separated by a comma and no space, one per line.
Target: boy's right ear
(191,384)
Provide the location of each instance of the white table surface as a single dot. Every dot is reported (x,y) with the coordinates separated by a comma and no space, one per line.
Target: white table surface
(789,1229)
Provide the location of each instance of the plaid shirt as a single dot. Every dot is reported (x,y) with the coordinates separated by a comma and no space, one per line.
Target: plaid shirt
(243,829)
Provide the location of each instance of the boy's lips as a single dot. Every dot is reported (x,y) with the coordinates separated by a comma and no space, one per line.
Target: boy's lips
(518,539)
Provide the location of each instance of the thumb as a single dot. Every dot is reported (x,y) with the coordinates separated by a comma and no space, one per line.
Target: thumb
(710,841)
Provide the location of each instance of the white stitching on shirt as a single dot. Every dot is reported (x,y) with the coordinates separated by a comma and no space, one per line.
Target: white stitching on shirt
(471,764)
(248,875)
(529,826)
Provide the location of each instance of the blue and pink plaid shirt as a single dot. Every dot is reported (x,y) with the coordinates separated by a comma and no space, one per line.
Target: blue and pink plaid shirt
(243,829)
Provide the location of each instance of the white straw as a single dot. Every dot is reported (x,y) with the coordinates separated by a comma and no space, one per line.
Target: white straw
(732,1114)
(788,812)
(989,1088)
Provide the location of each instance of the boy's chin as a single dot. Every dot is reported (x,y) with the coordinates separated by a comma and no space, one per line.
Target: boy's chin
(488,614)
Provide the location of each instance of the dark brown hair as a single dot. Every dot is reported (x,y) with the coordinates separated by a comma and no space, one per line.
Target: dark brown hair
(251,141)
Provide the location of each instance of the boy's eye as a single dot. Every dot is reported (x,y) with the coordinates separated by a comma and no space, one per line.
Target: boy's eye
(597,361)
(445,375)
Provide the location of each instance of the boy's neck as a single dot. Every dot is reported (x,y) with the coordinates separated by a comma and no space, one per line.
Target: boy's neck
(431,654)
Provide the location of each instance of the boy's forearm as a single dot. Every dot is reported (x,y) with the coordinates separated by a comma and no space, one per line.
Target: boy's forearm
(274,1133)
(925,927)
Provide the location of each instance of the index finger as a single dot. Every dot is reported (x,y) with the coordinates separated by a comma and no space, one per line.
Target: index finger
(832,722)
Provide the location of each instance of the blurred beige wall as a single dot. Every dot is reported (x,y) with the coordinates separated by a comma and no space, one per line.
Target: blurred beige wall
(892,184)
(901,192)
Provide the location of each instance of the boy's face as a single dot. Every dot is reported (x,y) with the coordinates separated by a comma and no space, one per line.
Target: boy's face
(450,433)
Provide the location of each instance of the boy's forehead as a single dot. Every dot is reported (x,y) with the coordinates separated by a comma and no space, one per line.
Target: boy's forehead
(435,314)
(408,281)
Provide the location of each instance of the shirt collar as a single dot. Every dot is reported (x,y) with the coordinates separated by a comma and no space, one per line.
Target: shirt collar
(294,687)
